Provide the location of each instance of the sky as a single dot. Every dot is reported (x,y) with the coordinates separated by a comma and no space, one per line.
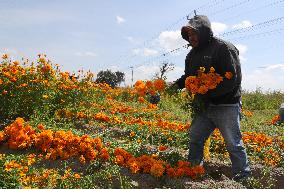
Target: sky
(126,35)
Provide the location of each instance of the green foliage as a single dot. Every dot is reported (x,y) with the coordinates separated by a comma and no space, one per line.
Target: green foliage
(258,100)
(111,78)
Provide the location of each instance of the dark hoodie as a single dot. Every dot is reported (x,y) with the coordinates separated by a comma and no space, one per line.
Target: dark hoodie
(217,53)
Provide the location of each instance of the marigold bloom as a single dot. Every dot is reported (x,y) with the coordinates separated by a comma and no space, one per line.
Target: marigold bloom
(228,75)
(157,170)
(141,99)
(119,160)
(159,84)
(5,56)
(82,159)
(2,136)
(4,92)
(77,176)
(275,119)
(162,148)
(132,134)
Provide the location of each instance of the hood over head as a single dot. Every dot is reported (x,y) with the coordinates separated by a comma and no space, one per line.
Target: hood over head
(202,26)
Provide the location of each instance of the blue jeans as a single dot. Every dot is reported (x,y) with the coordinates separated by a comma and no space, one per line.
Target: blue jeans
(225,117)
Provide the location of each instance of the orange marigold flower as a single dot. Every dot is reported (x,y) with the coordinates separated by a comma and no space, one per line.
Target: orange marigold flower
(4,92)
(134,167)
(119,160)
(132,134)
(149,84)
(5,56)
(2,136)
(40,127)
(157,170)
(162,148)
(275,119)
(171,172)
(141,99)
(228,75)
(77,176)
(159,84)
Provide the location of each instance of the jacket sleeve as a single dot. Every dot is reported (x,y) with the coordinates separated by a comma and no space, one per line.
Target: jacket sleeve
(228,59)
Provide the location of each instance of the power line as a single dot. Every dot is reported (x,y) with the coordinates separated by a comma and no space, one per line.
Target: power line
(255,9)
(129,56)
(276,31)
(253,27)
(236,31)
(229,8)
(171,26)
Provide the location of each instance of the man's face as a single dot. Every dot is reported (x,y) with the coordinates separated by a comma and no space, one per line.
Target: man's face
(192,37)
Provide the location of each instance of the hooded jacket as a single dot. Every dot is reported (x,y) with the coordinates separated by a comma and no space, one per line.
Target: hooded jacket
(216,53)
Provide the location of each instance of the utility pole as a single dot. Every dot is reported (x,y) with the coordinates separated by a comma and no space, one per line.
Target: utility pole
(131,76)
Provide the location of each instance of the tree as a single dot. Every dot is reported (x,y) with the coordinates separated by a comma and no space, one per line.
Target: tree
(111,78)
(164,68)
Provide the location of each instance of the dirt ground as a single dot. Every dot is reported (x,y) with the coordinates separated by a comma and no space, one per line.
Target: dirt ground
(218,175)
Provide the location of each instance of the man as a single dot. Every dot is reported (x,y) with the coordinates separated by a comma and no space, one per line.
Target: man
(222,104)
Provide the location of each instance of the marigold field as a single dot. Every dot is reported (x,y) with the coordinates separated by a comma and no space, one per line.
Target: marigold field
(59,131)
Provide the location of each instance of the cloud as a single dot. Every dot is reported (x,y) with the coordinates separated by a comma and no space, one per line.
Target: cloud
(150,52)
(242,50)
(119,19)
(170,40)
(218,27)
(86,53)
(145,52)
(136,51)
(243,24)
(175,74)
(130,39)
(146,72)
(269,78)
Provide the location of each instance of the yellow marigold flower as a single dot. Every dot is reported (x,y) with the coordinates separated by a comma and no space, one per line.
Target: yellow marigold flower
(212,70)
(82,159)
(202,69)
(207,149)
(1,81)
(45,96)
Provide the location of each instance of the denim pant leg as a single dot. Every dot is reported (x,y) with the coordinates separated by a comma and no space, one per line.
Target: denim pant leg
(199,132)
(227,120)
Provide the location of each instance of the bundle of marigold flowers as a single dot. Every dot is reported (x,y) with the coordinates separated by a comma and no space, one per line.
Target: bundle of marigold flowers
(151,87)
(204,82)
